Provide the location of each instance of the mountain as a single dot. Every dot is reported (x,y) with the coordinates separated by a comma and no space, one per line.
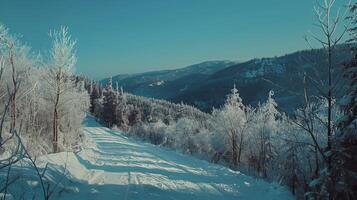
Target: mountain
(255,78)
(206,85)
(165,84)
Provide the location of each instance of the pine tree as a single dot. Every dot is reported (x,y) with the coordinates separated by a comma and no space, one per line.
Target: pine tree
(345,151)
(234,99)
(134,116)
(110,84)
(94,95)
(109,105)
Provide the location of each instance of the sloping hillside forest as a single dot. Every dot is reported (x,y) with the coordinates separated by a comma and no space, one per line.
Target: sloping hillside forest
(311,150)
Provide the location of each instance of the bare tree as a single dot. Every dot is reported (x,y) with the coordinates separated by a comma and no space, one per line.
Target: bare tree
(329,26)
(14,63)
(2,65)
(15,83)
(59,75)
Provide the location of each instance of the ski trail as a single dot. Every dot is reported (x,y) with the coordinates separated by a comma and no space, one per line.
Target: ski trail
(112,166)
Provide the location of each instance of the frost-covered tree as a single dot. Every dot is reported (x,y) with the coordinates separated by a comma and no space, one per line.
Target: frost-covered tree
(94,96)
(59,77)
(328,83)
(121,109)
(109,105)
(33,94)
(231,124)
(265,127)
(17,63)
(185,130)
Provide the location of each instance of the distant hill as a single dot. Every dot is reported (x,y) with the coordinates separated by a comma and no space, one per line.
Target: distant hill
(165,84)
(206,85)
(255,78)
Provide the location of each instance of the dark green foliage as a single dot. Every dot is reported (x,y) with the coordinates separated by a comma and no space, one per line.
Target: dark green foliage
(109,108)
(345,150)
(94,95)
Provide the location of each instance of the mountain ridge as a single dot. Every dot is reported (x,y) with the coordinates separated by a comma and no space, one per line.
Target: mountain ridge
(253,78)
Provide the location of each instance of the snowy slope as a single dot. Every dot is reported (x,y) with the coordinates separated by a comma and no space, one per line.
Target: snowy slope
(116,167)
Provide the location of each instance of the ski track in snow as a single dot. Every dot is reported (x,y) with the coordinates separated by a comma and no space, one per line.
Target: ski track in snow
(115,167)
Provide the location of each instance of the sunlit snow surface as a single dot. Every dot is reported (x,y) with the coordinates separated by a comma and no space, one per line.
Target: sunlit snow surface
(113,166)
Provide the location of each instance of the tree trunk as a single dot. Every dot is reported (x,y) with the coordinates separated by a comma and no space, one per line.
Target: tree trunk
(234,151)
(329,122)
(13,97)
(329,99)
(55,130)
(13,112)
(317,169)
(55,115)
(240,148)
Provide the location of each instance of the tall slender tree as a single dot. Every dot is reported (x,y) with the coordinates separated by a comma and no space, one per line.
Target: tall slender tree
(59,78)
(328,83)
(94,95)
(231,122)
(109,104)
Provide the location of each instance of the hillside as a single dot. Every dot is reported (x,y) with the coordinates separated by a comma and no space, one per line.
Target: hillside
(165,83)
(255,78)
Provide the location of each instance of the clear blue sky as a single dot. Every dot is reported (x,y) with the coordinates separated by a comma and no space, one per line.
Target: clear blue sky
(117,36)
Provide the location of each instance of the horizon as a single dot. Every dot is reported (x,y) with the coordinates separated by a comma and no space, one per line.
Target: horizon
(201,62)
(120,37)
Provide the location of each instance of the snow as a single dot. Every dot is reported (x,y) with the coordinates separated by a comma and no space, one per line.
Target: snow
(158,83)
(113,166)
(265,66)
(7,196)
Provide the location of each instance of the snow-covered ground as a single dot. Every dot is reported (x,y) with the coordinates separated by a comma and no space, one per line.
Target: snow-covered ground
(112,166)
